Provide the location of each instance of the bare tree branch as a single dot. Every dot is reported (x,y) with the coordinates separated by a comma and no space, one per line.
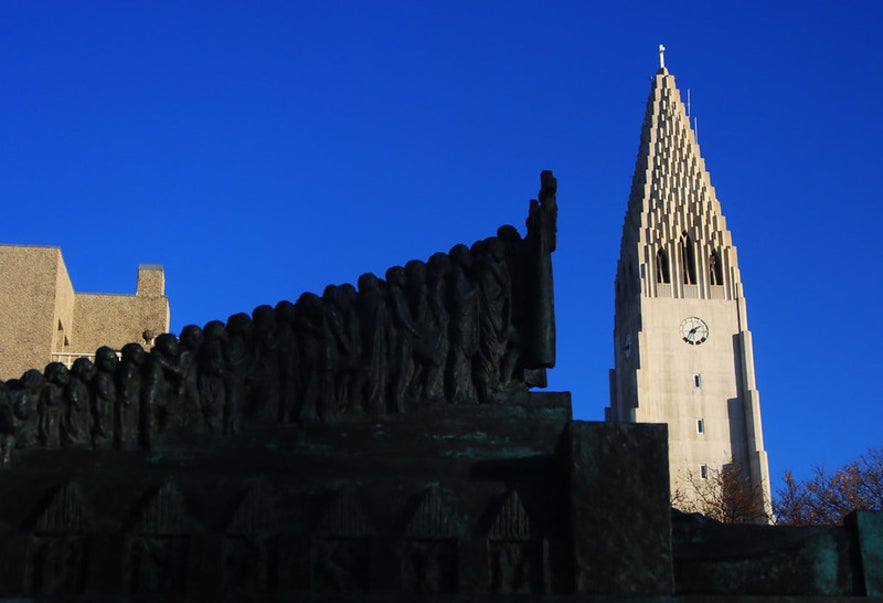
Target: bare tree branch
(727,495)
(826,499)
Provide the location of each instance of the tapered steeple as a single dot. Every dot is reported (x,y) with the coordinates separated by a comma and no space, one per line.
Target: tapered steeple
(673,209)
(683,351)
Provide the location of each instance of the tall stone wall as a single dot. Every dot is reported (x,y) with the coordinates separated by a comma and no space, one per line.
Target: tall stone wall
(115,320)
(42,315)
(36,307)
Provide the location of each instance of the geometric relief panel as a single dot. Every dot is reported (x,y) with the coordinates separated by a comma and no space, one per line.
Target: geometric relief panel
(429,552)
(158,564)
(248,546)
(158,550)
(340,547)
(516,567)
(339,565)
(64,513)
(246,565)
(58,564)
(59,549)
(515,556)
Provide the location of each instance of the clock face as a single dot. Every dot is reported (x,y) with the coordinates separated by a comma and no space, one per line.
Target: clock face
(694,330)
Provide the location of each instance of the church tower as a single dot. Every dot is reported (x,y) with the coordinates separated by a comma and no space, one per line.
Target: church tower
(683,352)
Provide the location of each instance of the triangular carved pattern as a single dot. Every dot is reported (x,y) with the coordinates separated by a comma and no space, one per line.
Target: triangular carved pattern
(512,521)
(254,515)
(431,519)
(164,512)
(65,512)
(343,518)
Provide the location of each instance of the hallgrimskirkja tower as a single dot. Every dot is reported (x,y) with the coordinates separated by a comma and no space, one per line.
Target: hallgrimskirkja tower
(683,351)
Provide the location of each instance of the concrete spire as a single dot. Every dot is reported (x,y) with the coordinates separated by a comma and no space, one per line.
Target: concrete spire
(672,193)
(678,268)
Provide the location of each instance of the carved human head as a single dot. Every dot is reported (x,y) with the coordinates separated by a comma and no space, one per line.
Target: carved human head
(32,380)
(264,316)
(395,276)
(83,369)
(460,256)
(56,373)
(239,324)
(309,305)
(415,270)
(332,294)
(368,283)
(133,353)
(285,312)
(508,234)
(214,330)
(348,292)
(439,265)
(167,344)
(192,337)
(106,359)
(494,247)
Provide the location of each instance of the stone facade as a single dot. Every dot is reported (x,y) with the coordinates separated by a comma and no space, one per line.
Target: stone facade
(42,317)
(683,351)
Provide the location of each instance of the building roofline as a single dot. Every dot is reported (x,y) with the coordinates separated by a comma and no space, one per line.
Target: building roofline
(31,246)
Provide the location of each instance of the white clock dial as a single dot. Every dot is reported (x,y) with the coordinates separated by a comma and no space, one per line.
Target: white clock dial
(694,330)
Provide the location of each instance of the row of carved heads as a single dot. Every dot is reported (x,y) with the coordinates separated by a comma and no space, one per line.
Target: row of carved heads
(472,326)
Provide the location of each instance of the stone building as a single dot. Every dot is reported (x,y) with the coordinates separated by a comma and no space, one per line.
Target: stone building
(43,319)
(683,351)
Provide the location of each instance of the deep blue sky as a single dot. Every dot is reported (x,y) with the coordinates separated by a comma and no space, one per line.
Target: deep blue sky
(261,149)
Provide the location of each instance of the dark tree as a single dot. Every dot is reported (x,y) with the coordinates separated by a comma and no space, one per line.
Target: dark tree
(827,498)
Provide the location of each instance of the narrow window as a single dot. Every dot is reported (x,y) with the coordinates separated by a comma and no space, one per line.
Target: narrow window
(700,425)
(697,380)
(662,273)
(703,471)
(714,269)
(688,260)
